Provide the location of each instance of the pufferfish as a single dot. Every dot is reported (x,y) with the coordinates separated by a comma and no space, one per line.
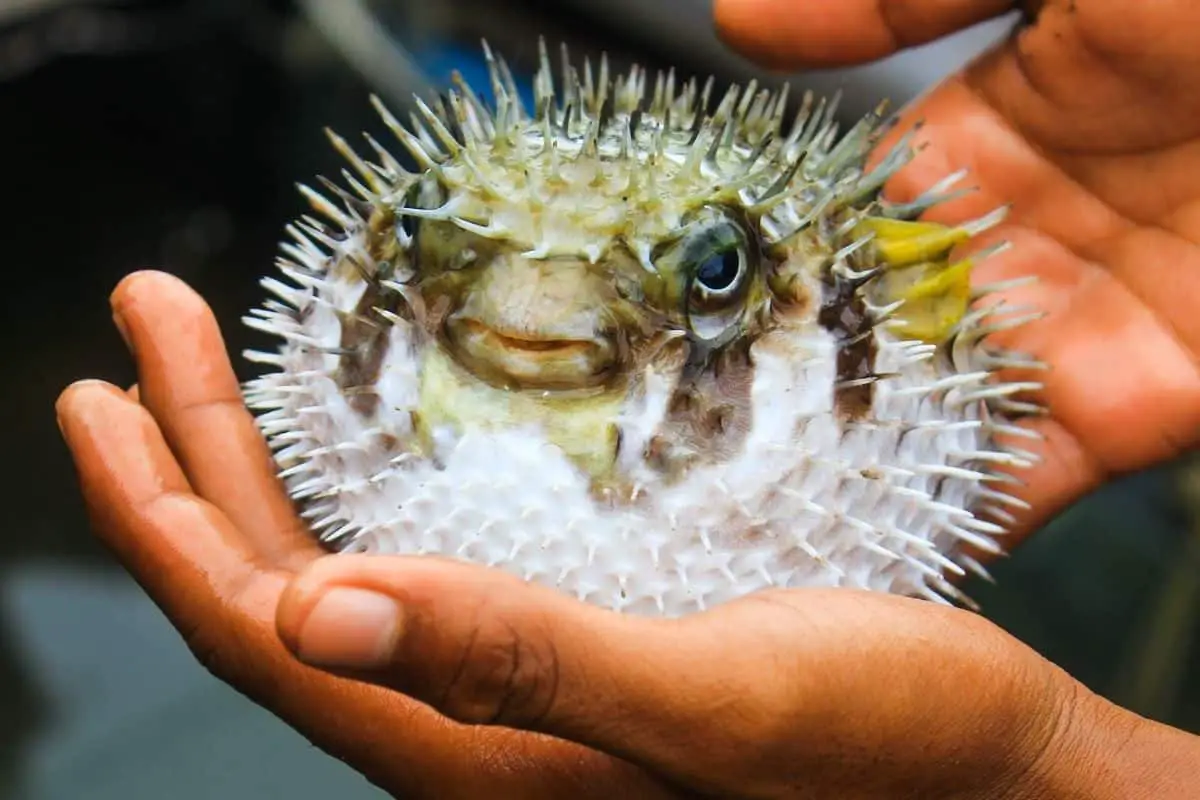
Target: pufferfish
(656,352)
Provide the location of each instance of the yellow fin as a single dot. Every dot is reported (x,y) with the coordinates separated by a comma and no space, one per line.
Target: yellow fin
(899,243)
(936,296)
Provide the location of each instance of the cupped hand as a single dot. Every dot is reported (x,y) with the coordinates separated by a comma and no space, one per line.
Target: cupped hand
(1087,121)
(443,680)
(788,695)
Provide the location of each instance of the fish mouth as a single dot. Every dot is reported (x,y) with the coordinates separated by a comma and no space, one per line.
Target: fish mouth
(510,359)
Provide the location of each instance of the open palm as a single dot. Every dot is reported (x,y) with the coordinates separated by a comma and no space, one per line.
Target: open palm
(1086,122)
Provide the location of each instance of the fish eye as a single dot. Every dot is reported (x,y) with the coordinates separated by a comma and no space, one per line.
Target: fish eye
(709,266)
(718,269)
(717,292)
(716,263)
(720,272)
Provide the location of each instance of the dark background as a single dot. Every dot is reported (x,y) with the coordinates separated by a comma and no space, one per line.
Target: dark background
(169,135)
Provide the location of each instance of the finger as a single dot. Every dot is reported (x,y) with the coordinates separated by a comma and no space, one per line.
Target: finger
(789,34)
(188,384)
(1065,470)
(486,649)
(750,699)
(134,394)
(177,546)
(458,637)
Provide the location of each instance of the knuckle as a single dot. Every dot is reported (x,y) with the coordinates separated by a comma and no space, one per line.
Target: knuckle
(505,674)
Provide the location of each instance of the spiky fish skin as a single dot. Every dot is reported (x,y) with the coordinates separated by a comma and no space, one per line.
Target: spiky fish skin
(866,445)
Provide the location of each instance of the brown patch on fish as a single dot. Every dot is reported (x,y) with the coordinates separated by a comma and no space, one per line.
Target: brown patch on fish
(363,347)
(709,414)
(844,314)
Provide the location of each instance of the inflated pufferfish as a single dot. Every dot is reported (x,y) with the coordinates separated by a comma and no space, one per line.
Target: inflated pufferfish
(657,355)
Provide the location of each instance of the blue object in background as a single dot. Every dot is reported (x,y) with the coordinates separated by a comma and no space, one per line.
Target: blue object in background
(440,59)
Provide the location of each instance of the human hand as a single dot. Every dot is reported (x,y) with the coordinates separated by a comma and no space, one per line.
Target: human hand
(797,694)
(810,693)
(1088,122)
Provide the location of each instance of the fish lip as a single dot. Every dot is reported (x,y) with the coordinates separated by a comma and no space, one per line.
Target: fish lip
(508,358)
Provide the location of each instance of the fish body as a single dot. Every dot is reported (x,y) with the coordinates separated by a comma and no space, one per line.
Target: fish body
(653,350)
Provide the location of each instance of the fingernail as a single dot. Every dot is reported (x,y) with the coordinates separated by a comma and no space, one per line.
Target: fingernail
(350,628)
(122,328)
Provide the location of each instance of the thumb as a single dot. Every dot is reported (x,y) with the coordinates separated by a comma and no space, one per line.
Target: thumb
(789,34)
(684,698)
(749,699)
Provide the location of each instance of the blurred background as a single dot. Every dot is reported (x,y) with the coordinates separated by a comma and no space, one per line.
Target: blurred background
(168,133)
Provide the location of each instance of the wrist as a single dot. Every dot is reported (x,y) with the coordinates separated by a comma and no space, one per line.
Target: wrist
(1099,751)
